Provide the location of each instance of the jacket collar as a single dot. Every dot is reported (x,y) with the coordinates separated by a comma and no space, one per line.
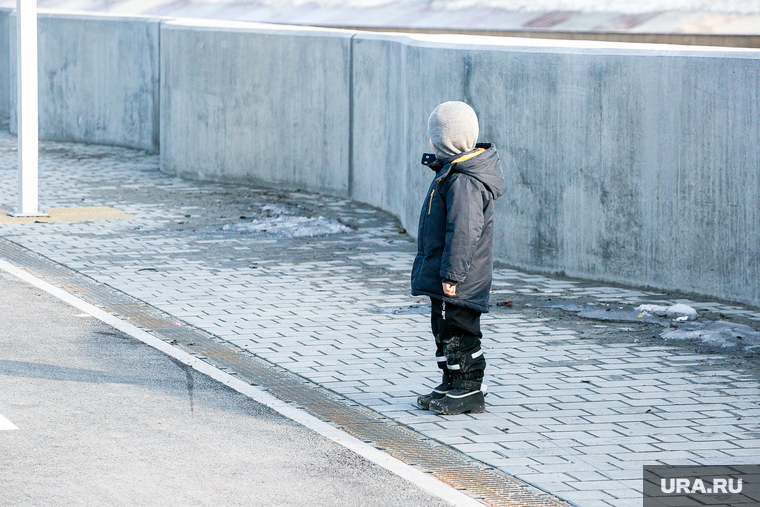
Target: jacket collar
(448,162)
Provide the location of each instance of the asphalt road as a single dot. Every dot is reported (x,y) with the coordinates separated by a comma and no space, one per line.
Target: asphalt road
(104,420)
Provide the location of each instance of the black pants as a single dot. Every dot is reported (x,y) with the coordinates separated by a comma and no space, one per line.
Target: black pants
(457,340)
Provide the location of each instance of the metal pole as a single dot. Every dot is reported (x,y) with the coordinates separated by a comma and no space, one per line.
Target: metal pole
(26,71)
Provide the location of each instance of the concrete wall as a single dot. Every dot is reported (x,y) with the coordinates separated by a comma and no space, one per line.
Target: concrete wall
(251,103)
(631,164)
(98,79)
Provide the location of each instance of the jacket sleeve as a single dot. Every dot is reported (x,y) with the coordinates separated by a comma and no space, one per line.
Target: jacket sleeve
(464,226)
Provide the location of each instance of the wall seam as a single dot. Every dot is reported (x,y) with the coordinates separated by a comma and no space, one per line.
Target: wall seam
(157,93)
(351,117)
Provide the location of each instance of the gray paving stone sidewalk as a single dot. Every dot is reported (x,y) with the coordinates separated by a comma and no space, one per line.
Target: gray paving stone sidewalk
(576,406)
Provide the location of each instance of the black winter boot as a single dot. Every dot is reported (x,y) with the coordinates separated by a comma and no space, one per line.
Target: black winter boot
(466,396)
(423,400)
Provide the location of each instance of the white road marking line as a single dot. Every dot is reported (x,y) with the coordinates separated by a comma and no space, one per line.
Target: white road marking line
(398,467)
(5,424)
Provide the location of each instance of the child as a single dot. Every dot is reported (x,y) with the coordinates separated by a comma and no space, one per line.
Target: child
(455,253)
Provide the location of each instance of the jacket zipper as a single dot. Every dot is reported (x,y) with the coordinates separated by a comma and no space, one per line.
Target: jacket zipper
(430,202)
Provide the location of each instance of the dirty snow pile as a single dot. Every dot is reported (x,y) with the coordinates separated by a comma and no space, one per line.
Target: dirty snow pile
(679,322)
(717,336)
(289,226)
(679,312)
(286,222)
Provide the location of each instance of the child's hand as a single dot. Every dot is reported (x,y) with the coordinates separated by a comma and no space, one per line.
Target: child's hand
(449,290)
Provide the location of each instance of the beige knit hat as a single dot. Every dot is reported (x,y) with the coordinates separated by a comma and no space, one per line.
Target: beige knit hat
(453,128)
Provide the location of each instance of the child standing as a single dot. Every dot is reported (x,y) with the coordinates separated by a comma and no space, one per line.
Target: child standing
(455,253)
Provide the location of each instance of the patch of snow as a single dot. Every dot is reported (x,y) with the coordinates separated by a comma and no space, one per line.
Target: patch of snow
(679,310)
(612,6)
(621,6)
(275,210)
(289,227)
(679,322)
(719,336)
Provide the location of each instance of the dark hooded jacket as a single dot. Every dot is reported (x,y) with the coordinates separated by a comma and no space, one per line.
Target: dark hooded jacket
(455,236)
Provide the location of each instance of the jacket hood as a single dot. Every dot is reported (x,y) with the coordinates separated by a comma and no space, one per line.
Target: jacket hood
(482,163)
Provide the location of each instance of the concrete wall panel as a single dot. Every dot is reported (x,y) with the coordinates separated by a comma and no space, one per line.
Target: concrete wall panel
(633,164)
(98,79)
(381,147)
(250,103)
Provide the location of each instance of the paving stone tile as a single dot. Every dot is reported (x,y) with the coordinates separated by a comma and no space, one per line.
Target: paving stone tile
(626,502)
(543,478)
(750,453)
(589,498)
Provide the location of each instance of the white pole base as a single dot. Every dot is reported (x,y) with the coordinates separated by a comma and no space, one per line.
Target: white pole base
(14,213)
(28,112)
